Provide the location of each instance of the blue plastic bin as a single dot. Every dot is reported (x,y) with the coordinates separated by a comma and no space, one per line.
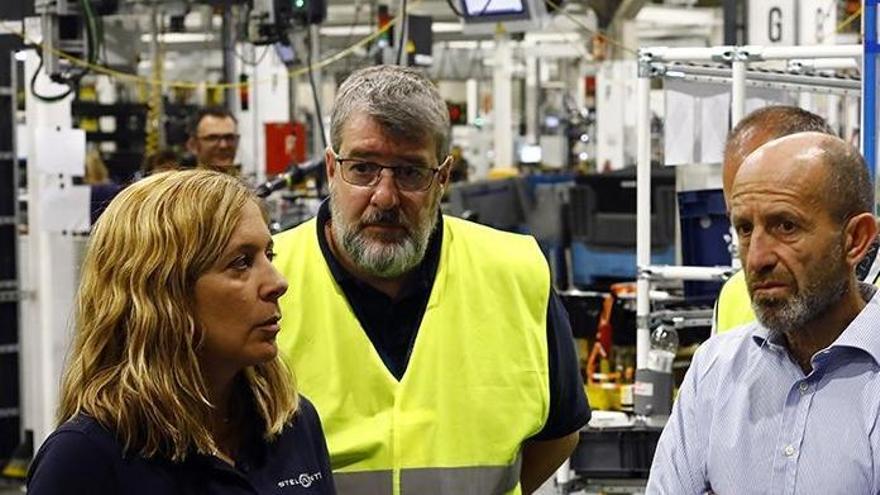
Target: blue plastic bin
(590,264)
(704,225)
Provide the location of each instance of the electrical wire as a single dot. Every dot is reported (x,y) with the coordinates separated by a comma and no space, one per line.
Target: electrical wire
(51,98)
(455,10)
(319,116)
(91,31)
(251,63)
(603,36)
(134,78)
(846,22)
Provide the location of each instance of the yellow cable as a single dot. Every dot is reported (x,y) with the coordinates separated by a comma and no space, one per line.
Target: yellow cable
(846,22)
(124,76)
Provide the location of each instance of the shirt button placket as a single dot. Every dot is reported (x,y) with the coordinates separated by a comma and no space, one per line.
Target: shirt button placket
(804,387)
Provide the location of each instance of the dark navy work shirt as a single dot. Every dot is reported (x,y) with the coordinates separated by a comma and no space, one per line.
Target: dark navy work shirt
(391,326)
(82,457)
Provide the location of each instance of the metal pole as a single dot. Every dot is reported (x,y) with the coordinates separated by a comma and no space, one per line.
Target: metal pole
(227,37)
(699,273)
(315,47)
(51,273)
(643,209)
(738,91)
(810,51)
(754,52)
(502,101)
(686,54)
(731,21)
(802,65)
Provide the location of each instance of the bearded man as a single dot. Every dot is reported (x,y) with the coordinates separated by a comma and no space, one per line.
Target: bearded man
(790,404)
(434,349)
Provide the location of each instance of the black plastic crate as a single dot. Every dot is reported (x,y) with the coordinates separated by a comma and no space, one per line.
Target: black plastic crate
(603,209)
(615,453)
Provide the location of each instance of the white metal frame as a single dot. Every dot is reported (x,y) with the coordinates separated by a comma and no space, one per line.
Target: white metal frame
(652,63)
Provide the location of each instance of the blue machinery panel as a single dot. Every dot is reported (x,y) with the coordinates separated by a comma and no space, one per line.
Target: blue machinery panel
(869,84)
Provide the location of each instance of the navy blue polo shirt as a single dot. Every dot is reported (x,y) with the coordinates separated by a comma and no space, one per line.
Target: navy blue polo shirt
(392,325)
(82,457)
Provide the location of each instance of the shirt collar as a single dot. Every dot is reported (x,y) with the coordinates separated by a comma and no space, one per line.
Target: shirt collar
(425,272)
(862,333)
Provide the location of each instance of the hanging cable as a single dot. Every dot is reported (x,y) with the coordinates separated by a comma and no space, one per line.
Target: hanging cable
(50,98)
(252,63)
(136,79)
(455,10)
(319,116)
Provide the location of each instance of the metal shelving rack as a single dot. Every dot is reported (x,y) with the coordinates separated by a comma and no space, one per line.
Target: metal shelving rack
(662,62)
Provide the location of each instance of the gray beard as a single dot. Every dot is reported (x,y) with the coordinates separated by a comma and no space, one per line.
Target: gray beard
(794,314)
(389,259)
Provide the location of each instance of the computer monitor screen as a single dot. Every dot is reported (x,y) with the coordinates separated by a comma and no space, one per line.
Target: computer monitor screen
(493,7)
(516,16)
(530,153)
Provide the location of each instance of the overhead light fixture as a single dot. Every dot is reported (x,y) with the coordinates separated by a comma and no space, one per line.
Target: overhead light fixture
(365,29)
(470,45)
(180,37)
(359,30)
(446,27)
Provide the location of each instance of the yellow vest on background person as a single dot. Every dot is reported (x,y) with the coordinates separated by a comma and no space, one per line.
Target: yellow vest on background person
(734,306)
(476,385)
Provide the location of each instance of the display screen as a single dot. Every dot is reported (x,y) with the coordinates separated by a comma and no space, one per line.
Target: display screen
(493,7)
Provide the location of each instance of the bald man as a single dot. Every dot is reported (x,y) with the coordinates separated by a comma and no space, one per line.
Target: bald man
(790,403)
(733,307)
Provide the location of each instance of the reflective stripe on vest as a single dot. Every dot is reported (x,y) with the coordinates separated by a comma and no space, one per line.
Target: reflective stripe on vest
(477,382)
(492,480)
(364,482)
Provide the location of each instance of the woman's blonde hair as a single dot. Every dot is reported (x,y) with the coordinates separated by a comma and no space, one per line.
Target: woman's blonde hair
(133,365)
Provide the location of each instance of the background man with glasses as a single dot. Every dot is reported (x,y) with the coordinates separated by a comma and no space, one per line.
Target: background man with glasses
(213,139)
(434,349)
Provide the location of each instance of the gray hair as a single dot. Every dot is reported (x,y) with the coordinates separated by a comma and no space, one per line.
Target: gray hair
(403,101)
(851,190)
(776,121)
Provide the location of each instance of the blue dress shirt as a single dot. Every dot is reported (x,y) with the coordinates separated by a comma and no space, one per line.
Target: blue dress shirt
(747,419)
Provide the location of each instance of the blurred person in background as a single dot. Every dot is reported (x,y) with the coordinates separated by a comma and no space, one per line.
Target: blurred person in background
(213,140)
(160,161)
(102,189)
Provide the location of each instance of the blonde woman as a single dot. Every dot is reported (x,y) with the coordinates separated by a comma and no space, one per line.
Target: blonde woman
(174,384)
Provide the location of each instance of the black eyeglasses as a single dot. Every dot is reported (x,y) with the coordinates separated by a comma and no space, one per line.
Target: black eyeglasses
(216,138)
(365,173)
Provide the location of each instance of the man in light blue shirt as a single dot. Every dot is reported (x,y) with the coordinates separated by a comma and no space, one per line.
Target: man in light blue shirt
(790,404)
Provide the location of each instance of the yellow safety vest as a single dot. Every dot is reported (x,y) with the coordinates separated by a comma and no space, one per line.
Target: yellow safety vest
(734,306)
(477,381)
